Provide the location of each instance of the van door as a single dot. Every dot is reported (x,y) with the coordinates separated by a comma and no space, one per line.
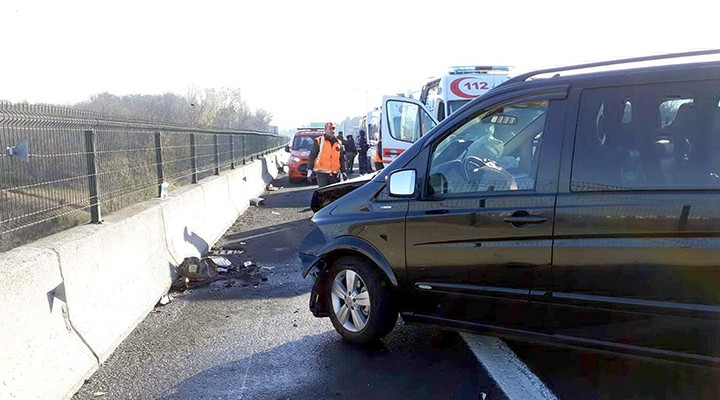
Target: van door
(404,121)
(482,230)
(637,231)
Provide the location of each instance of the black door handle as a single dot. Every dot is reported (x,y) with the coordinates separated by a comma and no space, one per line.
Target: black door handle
(436,212)
(523,218)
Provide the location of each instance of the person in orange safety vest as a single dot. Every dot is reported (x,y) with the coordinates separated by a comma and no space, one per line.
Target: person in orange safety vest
(325,158)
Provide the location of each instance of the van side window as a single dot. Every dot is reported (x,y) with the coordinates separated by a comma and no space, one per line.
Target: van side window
(650,137)
(495,151)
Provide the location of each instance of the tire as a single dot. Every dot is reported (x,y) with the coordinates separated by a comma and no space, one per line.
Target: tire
(360,323)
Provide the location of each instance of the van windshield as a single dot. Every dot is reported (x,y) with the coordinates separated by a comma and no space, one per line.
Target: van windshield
(302,143)
(455,105)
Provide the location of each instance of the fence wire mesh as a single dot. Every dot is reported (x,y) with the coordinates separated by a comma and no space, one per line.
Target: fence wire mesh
(59,166)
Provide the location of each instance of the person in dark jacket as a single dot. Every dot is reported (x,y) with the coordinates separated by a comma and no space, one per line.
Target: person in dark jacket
(350,153)
(362,146)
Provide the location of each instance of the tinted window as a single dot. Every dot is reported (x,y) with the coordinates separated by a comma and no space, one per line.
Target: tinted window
(663,136)
(495,151)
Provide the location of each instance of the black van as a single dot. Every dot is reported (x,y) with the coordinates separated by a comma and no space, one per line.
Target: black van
(581,209)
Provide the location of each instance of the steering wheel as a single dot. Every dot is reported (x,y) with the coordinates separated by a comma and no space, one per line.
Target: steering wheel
(487,171)
(472,165)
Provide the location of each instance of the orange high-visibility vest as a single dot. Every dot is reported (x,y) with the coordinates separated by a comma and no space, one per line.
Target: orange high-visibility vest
(378,156)
(328,158)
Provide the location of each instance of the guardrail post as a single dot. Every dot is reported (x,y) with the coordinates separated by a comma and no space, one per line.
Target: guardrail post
(232,151)
(244,148)
(159,162)
(193,159)
(93,187)
(217,154)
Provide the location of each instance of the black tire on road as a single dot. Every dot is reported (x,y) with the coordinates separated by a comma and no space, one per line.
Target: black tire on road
(383,310)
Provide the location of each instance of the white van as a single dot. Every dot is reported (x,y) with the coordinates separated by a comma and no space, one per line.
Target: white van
(444,95)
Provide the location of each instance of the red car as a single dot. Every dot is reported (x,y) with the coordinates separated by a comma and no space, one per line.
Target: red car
(299,151)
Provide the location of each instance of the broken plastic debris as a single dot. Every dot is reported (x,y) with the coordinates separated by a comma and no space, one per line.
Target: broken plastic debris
(257,201)
(222,270)
(220,261)
(197,270)
(165,300)
(248,264)
(99,394)
(271,188)
(275,213)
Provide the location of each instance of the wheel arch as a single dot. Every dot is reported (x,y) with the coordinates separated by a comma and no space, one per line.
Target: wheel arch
(353,246)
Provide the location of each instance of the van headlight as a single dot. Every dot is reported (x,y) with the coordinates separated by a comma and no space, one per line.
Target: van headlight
(295,159)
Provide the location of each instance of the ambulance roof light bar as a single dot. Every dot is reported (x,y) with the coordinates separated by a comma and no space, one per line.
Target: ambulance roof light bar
(469,69)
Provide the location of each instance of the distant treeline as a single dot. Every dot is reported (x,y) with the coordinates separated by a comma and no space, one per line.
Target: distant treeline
(222,108)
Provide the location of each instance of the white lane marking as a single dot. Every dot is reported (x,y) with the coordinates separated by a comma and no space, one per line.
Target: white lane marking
(511,375)
(264,234)
(250,361)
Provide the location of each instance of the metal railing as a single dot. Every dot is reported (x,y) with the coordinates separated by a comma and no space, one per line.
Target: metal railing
(65,167)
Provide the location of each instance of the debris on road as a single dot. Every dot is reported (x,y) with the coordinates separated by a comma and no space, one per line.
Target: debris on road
(271,188)
(181,284)
(164,300)
(275,213)
(248,264)
(257,201)
(220,261)
(197,270)
(222,270)
(99,394)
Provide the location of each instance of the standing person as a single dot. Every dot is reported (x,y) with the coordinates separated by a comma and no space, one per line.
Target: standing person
(378,157)
(362,145)
(343,143)
(350,153)
(325,158)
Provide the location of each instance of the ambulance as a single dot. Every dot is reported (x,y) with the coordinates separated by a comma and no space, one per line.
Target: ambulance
(444,95)
(404,120)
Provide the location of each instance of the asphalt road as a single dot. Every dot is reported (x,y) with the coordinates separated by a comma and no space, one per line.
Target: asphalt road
(247,342)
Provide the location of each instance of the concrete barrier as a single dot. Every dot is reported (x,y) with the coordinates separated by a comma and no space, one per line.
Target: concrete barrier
(70,299)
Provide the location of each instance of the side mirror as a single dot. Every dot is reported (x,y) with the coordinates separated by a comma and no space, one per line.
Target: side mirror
(402,183)
(287,148)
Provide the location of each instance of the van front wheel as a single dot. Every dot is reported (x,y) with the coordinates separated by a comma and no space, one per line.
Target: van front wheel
(362,309)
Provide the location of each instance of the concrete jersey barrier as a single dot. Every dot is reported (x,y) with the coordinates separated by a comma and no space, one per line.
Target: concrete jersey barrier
(70,299)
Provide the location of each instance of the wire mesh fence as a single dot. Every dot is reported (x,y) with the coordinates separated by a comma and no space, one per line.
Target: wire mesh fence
(63,167)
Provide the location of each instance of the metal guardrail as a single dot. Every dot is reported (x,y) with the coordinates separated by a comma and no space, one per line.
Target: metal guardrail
(64,167)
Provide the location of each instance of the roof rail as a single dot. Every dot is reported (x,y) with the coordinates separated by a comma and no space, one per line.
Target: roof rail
(524,77)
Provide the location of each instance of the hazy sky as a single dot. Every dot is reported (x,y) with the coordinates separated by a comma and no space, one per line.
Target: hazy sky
(317,60)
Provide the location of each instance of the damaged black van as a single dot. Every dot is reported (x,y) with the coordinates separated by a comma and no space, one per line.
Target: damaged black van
(565,206)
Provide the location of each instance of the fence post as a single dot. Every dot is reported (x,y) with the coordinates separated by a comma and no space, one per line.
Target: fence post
(217,154)
(232,151)
(244,148)
(193,159)
(159,162)
(93,187)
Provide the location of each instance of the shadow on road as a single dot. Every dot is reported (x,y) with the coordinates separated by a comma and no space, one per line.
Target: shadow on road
(412,363)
